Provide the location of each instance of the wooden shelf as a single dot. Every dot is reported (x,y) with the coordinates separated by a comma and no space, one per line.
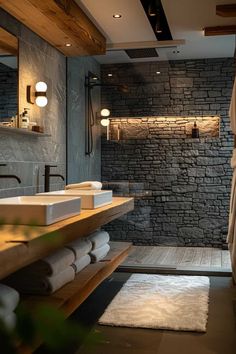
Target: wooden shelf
(70,296)
(22,132)
(22,245)
(26,244)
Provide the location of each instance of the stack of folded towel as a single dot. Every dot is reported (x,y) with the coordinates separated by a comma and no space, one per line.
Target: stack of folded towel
(46,275)
(81,249)
(100,246)
(49,274)
(85,185)
(9,299)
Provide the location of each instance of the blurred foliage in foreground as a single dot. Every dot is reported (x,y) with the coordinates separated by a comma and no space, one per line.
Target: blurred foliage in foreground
(43,324)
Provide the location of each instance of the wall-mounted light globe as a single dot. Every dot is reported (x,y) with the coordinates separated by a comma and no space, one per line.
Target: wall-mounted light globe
(41,86)
(105,112)
(105,122)
(41,101)
(40,94)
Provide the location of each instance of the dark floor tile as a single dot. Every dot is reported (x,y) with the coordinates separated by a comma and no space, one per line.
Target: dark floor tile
(220,337)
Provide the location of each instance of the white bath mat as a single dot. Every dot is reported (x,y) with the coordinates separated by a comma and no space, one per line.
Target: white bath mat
(160,301)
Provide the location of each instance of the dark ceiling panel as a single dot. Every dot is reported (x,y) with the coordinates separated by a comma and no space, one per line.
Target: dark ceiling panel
(157,18)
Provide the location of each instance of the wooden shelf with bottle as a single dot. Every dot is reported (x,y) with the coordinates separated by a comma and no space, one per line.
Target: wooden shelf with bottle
(11,130)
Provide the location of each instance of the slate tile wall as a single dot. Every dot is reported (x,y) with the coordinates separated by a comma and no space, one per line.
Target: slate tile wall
(183,183)
(25,155)
(82,167)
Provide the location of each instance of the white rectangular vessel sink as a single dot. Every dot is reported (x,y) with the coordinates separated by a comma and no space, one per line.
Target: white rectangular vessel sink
(38,210)
(90,199)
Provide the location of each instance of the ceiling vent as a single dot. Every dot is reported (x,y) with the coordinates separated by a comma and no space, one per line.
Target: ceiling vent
(142,53)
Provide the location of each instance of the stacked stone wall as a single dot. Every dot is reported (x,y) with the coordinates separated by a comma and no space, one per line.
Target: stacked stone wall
(181,185)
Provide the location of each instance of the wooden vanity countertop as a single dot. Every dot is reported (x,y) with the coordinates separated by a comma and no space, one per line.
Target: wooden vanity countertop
(21,245)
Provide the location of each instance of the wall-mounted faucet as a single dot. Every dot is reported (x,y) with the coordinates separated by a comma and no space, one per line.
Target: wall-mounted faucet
(10,176)
(47,176)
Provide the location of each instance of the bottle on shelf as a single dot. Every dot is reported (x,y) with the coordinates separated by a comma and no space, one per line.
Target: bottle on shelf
(14,121)
(24,119)
(195,131)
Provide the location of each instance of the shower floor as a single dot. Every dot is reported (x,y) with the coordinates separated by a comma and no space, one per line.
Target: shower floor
(159,259)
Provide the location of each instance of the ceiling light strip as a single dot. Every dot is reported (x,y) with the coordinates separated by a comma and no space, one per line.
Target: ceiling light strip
(145,44)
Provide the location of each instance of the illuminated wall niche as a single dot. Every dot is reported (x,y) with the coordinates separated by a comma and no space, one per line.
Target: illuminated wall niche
(125,128)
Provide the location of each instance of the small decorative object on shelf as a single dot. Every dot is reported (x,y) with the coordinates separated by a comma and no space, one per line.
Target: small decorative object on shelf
(24,119)
(14,121)
(38,129)
(195,131)
(118,132)
(5,124)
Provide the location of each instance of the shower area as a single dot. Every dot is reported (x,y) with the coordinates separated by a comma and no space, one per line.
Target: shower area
(180,182)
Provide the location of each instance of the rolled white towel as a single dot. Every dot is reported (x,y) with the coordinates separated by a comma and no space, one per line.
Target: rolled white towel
(53,264)
(81,263)
(99,253)
(9,320)
(9,298)
(85,185)
(99,238)
(31,284)
(80,247)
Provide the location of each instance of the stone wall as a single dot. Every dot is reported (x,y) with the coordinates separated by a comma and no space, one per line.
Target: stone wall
(181,185)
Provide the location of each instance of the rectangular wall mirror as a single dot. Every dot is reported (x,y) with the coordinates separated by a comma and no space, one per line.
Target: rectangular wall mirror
(8,79)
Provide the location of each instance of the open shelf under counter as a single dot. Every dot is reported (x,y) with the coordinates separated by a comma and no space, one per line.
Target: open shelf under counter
(73,294)
(33,243)
(10,130)
(70,296)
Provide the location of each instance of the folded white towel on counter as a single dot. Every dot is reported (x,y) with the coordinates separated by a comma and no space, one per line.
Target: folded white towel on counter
(99,253)
(9,298)
(85,185)
(80,247)
(53,264)
(99,238)
(31,284)
(9,320)
(81,263)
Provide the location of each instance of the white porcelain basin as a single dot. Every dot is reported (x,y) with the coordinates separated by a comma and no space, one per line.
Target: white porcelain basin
(38,210)
(90,199)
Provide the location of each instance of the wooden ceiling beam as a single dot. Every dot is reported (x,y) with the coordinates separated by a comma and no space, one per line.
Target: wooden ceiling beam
(226,10)
(59,22)
(8,43)
(219,30)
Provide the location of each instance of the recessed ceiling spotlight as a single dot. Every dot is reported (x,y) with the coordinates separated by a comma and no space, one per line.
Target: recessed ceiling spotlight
(158,72)
(68,44)
(152,9)
(117,16)
(110,75)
